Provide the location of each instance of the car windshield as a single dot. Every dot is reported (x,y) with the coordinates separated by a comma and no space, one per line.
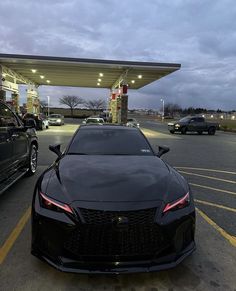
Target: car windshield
(94,120)
(185,119)
(108,141)
(55,116)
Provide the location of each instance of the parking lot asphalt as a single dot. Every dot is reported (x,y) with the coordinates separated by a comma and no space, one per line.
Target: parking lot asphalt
(207,162)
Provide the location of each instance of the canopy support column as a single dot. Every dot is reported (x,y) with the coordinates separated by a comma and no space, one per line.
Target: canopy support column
(15,101)
(33,105)
(119,105)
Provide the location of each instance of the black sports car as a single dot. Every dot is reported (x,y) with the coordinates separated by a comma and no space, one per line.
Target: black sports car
(109,204)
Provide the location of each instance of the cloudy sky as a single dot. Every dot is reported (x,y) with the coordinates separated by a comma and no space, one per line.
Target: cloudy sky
(201,35)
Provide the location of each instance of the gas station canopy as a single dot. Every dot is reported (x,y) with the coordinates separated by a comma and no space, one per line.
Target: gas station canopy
(92,73)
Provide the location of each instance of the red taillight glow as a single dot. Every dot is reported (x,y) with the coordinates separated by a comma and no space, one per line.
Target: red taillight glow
(180,203)
(48,202)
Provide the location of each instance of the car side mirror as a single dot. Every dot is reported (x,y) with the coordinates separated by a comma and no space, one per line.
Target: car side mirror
(30,123)
(56,149)
(162,150)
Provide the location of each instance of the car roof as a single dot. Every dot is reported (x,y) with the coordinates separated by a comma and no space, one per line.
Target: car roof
(107,126)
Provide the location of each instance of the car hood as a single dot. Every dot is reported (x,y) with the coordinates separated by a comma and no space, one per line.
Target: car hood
(112,179)
(176,122)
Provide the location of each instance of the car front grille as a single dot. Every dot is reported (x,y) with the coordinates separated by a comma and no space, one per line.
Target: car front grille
(144,216)
(100,236)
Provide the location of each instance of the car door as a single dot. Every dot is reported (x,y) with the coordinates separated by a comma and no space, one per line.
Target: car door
(197,124)
(201,124)
(6,146)
(192,124)
(17,135)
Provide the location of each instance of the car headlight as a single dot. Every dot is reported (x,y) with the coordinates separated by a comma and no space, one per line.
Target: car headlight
(54,205)
(177,204)
(58,120)
(177,125)
(170,123)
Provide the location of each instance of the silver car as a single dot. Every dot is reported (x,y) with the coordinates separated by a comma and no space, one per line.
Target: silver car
(56,119)
(132,122)
(93,120)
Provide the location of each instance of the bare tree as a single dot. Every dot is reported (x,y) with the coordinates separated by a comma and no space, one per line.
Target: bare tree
(96,104)
(72,102)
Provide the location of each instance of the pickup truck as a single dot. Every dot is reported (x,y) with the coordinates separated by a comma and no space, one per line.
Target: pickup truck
(18,147)
(194,124)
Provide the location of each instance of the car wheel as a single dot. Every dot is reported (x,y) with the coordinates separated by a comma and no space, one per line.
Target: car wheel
(199,132)
(183,130)
(172,131)
(211,131)
(33,160)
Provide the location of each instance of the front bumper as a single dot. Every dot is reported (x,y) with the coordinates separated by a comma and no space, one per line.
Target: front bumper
(116,267)
(68,246)
(173,127)
(54,122)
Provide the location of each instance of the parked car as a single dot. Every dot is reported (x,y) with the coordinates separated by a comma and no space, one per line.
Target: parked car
(110,204)
(193,124)
(93,120)
(132,122)
(56,119)
(41,121)
(45,122)
(18,147)
(106,115)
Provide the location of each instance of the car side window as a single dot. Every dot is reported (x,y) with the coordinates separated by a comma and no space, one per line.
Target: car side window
(200,119)
(7,118)
(193,120)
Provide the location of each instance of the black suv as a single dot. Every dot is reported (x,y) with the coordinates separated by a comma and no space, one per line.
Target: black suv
(18,147)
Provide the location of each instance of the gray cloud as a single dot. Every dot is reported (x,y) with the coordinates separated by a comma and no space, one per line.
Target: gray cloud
(198,34)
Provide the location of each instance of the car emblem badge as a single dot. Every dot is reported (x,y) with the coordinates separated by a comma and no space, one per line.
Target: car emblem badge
(120,222)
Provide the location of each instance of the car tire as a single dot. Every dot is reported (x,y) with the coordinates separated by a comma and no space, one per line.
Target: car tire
(172,131)
(33,160)
(183,130)
(211,131)
(199,132)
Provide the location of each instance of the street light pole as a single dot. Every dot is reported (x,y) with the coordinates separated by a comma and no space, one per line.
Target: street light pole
(48,105)
(163,109)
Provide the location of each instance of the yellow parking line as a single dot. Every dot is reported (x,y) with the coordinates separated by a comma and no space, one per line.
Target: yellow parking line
(4,250)
(214,189)
(208,170)
(228,237)
(215,205)
(208,177)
